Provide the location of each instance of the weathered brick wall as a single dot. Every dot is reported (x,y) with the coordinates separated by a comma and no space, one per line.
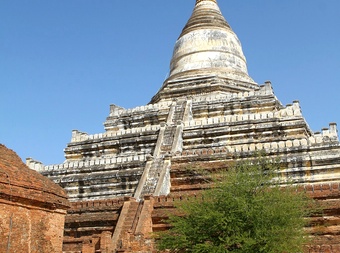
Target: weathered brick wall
(325,229)
(32,208)
(88,224)
(24,228)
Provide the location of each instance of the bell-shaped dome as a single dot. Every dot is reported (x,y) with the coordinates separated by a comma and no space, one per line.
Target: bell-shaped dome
(208,46)
(207,58)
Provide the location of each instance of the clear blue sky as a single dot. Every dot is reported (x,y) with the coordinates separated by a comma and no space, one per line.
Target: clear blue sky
(63,62)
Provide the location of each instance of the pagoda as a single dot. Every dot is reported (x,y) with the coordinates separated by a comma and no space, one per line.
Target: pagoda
(208,112)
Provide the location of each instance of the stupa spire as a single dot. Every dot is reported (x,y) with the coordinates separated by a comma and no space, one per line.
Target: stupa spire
(206,15)
(206,47)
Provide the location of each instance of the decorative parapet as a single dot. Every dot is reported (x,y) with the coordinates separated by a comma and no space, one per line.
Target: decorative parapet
(264,90)
(253,147)
(115,120)
(34,165)
(315,190)
(69,165)
(323,189)
(119,111)
(78,136)
(268,87)
(115,110)
(97,204)
(326,135)
(290,110)
(159,200)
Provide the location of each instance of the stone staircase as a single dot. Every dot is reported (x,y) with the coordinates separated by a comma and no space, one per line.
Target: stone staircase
(156,177)
(127,223)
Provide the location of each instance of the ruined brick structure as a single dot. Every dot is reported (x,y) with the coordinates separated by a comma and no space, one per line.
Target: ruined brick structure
(208,113)
(32,208)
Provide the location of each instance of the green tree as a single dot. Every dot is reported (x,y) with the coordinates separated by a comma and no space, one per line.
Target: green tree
(247,211)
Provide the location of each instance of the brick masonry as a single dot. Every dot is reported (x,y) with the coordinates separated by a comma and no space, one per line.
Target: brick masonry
(32,208)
